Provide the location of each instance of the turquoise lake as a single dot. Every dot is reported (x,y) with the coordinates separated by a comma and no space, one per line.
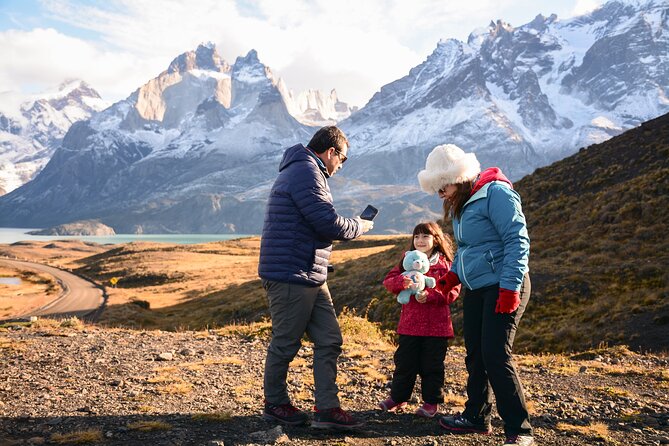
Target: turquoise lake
(12,235)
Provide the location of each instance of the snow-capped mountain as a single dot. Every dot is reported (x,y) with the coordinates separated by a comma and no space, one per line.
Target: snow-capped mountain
(196,149)
(520,97)
(315,108)
(32,127)
(182,148)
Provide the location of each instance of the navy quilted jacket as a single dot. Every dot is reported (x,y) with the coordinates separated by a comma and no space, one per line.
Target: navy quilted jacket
(301,222)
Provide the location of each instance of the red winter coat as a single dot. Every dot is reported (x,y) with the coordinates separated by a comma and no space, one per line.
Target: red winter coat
(432,318)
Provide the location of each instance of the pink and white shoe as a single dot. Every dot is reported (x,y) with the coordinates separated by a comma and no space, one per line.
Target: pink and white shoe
(388,405)
(427,410)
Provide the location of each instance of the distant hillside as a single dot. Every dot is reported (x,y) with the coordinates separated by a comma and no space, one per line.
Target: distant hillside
(600,251)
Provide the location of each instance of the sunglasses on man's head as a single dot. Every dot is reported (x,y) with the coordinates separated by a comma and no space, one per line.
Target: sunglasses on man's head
(342,157)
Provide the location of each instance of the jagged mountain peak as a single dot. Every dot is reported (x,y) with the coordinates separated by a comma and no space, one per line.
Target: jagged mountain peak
(204,57)
(249,68)
(251,58)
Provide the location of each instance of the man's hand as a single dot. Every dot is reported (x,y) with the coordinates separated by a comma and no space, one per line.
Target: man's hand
(421,297)
(366,225)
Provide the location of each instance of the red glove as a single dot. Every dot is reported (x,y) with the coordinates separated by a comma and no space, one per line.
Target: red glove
(508,301)
(447,282)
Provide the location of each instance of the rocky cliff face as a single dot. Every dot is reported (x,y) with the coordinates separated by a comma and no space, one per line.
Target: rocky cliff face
(32,128)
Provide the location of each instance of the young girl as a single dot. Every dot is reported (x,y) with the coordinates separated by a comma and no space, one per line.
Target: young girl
(424,327)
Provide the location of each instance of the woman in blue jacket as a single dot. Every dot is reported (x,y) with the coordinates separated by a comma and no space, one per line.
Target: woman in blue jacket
(491,262)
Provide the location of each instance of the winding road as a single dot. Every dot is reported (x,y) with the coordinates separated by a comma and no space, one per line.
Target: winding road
(79,297)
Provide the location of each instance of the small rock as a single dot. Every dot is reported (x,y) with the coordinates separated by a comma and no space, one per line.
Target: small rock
(36,440)
(282,439)
(268,436)
(109,434)
(165,357)
(54,421)
(583,369)
(187,352)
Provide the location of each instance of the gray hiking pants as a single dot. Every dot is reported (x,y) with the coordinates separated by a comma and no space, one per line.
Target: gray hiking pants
(295,310)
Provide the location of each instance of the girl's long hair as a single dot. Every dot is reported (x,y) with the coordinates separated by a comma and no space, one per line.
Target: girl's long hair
(442,242)
(454,208)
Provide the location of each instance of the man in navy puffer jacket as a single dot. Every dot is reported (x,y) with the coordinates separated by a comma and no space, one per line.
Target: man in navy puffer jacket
(300,225)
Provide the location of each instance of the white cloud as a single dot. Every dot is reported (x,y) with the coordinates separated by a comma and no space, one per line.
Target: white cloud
(351,45)
(42,58)
(585,6)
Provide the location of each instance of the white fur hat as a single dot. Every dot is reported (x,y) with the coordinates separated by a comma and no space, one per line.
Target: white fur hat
(447,164)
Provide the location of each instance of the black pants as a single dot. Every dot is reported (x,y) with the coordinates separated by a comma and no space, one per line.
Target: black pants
(424,356)
(489,341)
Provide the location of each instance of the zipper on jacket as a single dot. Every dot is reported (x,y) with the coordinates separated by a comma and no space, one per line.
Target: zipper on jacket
(462,266)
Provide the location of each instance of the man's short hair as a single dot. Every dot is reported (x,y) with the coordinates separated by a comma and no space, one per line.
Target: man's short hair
(327,137)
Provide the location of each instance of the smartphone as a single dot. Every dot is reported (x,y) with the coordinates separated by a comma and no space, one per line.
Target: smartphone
(369,213)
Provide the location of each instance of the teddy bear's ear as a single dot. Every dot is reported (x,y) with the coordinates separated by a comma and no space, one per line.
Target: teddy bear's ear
(407,253)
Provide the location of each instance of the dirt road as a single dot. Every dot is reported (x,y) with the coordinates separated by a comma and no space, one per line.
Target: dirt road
(79,298)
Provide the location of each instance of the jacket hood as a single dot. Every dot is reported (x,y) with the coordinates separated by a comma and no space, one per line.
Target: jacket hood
(488,176)
(299,153)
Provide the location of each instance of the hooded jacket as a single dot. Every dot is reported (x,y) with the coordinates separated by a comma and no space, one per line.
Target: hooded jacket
(491,233)
(301,222)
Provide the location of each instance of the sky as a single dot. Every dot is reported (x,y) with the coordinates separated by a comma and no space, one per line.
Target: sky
(353,46)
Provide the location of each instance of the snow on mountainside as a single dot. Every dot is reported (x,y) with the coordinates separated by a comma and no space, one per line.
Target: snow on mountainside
(521,97)
(32,127)
(197,148)
(315,108)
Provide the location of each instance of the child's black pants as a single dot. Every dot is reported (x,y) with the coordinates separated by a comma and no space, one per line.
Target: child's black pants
(424,356)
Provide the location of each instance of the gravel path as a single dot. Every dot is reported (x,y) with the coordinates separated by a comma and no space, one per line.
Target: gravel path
(122,387)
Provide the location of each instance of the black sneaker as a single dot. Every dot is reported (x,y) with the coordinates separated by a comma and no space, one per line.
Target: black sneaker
(334,418)
(461,425)
(285,414)
(520,440)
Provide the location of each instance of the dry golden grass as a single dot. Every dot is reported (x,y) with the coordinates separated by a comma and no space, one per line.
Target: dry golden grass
(340,255)
(454,400)
(149,426)
(177,388)
(162,379)
(144,408)
(34,290)
(11,345)
(611,391)
(532,407)
(343,379)
(226,360)
(358,353)
(220,416)
(298,362)
(78,437)
(370,371)
(260,330)
(557,363)
(594,431)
